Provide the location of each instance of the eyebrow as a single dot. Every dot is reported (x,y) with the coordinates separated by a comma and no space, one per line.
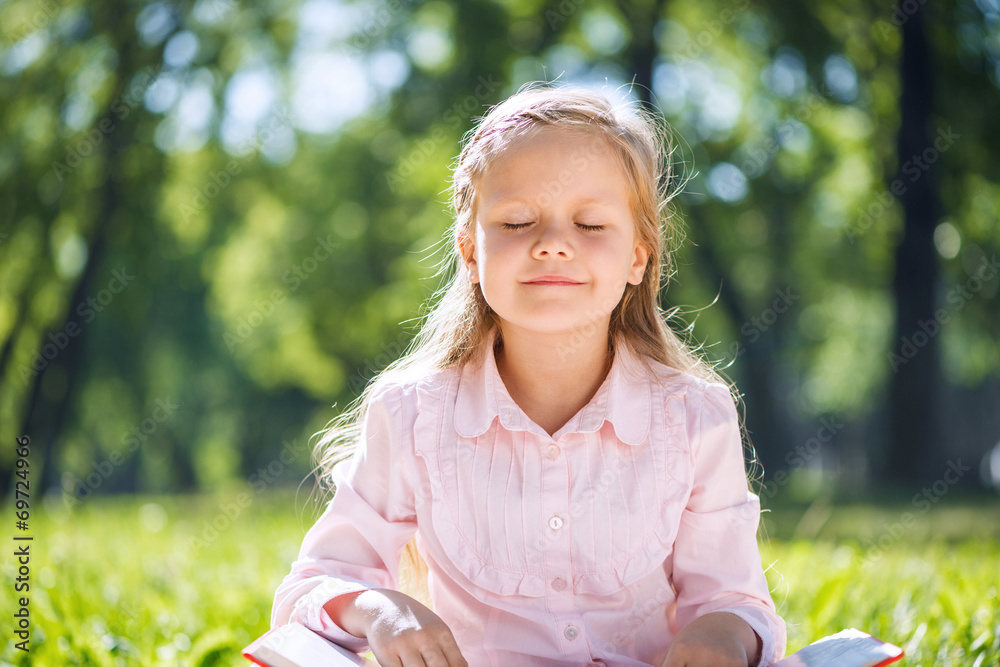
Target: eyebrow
(579,201)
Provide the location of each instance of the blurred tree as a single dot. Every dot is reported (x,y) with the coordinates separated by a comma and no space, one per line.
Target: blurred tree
(274,176)
(915,451)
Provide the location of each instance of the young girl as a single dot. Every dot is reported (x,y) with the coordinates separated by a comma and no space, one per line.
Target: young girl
(571,472)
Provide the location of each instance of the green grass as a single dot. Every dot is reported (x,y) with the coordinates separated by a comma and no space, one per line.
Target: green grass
(118,582)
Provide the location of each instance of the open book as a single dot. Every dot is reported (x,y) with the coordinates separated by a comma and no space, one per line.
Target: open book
(295,645)
(847,648)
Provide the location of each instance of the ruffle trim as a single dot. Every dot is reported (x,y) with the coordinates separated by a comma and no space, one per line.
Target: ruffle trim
(466,560)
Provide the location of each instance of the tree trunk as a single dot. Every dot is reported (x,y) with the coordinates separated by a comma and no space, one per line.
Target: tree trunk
(642,18)
(762,414)
(45,420)
(915,452)
(762,418)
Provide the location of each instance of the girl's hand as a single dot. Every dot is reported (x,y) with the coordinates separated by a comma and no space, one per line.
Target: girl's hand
(719,639)
(400,630)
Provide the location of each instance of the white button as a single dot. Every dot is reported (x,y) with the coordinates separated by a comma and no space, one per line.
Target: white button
(555,523)
(571,632)
(553,452)
(559,584)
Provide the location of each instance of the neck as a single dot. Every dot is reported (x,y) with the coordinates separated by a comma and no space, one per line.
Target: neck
(551,376)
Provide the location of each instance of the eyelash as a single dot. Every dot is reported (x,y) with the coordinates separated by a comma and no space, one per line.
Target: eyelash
(588,228)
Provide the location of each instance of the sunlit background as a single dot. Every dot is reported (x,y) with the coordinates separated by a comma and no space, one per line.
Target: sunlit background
(219,219)
(208,149)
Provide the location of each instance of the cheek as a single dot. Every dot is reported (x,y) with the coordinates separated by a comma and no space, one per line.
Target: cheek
(494,267)
(498,252)
(612,260)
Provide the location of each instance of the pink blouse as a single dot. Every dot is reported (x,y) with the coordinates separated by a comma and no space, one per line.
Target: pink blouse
(591,546)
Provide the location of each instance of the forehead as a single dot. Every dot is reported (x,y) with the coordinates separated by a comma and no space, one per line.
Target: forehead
(555,163)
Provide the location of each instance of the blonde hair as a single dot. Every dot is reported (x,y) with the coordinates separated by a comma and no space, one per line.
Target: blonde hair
(456,328)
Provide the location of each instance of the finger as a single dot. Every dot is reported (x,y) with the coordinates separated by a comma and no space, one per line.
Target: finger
(671,660)
(412,658)
(388,661)
(434,658)
(453,655)
(404,659)
(455,658)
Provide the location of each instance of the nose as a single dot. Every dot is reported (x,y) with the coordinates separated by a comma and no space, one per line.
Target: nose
(553,241)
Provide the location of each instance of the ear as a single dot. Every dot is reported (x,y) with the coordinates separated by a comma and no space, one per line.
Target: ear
(638,268)
(467,250)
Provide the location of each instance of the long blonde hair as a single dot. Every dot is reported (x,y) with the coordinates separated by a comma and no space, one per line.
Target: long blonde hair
(456,328)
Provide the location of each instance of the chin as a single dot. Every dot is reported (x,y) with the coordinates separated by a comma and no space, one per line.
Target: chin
(550,323)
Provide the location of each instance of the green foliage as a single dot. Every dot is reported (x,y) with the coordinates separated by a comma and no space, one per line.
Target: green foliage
(122,582)
(932,590)
(276,271)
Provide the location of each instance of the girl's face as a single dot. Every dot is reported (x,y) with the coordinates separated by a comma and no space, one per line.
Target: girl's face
(554,238)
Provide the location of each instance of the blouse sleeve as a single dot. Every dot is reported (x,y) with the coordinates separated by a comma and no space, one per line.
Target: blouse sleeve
(356,544)
(716,564)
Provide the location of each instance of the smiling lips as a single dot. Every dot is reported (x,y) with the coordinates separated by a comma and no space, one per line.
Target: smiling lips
(553,280)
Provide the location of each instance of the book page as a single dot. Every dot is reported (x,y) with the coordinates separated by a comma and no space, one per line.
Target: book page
(294,645)
(848,648)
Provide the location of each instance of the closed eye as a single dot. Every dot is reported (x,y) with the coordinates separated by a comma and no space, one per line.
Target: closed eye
(589,228)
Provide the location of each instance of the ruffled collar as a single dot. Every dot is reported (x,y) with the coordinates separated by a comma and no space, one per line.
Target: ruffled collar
(624,399)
